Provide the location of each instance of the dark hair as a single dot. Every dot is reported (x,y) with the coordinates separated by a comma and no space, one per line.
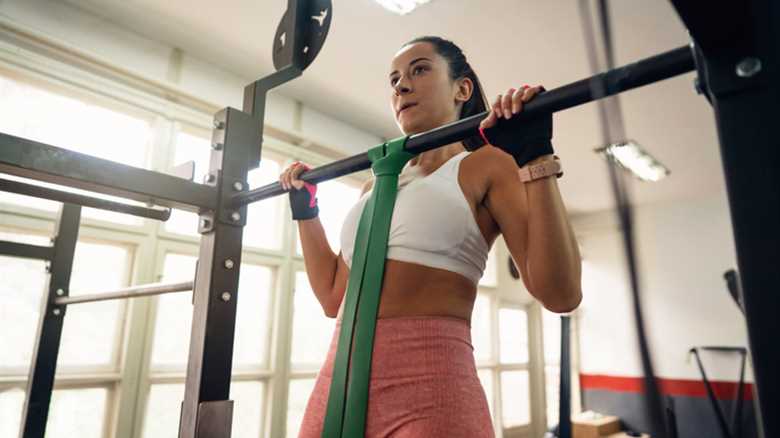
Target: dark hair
(459,68)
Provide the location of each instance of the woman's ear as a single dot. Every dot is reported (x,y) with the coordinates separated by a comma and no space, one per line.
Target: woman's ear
(464,91)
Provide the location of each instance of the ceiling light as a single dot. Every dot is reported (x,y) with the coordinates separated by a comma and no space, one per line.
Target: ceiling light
(401,7)
(632,157)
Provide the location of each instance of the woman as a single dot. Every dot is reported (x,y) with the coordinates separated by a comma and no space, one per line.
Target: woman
(452,204)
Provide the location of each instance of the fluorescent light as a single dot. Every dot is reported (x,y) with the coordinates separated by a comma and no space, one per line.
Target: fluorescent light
(401,7)
(632,157)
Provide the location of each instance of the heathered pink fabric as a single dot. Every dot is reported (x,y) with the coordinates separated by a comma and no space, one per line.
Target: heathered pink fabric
(424,383)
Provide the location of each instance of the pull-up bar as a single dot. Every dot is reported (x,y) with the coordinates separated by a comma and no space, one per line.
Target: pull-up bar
(130,292)
(647,71)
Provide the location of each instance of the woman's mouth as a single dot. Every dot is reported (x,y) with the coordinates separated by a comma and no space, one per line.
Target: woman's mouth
(406,106)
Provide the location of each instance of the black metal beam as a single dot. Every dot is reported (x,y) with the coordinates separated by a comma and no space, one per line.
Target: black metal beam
(85,201)
(646,71)
(207,385)
(47,347)
(23,250)
(738,57)
(38,161)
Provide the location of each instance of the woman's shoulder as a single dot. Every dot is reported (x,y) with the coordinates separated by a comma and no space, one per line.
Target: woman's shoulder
(490,162)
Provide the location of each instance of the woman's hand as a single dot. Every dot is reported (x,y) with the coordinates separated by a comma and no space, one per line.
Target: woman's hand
(526,138)
(509,104)
(302,202)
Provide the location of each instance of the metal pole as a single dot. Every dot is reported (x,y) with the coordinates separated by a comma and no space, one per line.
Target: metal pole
(647,71)
(130,292)
(86,201)
(23,250)
(47,347)
(738,61)
(564,398)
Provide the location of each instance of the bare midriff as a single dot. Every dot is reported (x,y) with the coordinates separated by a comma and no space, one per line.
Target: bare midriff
(409,289)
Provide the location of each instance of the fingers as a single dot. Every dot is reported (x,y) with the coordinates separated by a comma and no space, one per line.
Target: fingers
(289,178)
(509,104)
(506,103)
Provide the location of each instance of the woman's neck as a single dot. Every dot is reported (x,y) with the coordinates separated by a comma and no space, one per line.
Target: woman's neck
(429,161)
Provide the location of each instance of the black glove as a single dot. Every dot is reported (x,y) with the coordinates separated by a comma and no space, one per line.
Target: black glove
(303,202)
(525,139)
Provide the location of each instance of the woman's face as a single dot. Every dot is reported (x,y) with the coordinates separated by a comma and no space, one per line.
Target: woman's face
(422,95)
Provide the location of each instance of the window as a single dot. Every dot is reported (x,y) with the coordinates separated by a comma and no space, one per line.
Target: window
(170,349)
(513,356)
(299,392)
(81,408)
(72,123)
(312,330)
(163,408)
(97,267)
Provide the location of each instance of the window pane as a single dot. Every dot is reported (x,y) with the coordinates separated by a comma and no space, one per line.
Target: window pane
(480,328)
(514,398)
(20,292)
(77,412)
(552,377)
(486,378)
(300,390)
(96,267)
(11,404)
(312,330)
(513,335)
(63,121)
(174,316)
(551,332)
(248,408)
(335,199)
(98,326)
(490,277)
(253,319)
(163,409)
(262,228)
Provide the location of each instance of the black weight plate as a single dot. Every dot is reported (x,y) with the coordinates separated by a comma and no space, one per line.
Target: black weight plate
(319,13)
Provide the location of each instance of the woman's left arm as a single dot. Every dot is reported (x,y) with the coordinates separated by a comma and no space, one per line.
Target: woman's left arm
(536,229)
(531,214)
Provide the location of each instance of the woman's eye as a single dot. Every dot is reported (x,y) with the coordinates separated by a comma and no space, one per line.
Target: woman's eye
(418,69)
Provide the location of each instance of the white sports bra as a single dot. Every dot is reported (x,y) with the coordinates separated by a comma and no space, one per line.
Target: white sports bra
(432,223)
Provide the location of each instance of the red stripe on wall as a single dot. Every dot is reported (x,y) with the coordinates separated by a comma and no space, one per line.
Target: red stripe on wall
(690,388)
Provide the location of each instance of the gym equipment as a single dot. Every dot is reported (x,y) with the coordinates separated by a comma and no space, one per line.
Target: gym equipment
(735,53)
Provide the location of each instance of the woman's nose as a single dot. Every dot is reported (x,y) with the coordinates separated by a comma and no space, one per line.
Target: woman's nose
(402,87)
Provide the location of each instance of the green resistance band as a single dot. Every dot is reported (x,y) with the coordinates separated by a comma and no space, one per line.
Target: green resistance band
(362,298)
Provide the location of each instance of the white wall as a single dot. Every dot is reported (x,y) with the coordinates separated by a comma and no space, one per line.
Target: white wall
(684,248)
(95,38)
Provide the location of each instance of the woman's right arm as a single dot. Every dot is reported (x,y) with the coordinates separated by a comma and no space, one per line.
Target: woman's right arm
(327,272)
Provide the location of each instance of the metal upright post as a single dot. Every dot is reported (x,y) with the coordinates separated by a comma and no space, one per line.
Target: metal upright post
(207,410)
(564,399)
(44,363)
(737,53)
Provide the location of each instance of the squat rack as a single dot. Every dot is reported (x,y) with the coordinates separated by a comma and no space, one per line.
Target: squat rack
(735,54)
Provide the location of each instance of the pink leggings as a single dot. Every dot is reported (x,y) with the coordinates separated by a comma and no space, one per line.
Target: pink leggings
(424,383)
